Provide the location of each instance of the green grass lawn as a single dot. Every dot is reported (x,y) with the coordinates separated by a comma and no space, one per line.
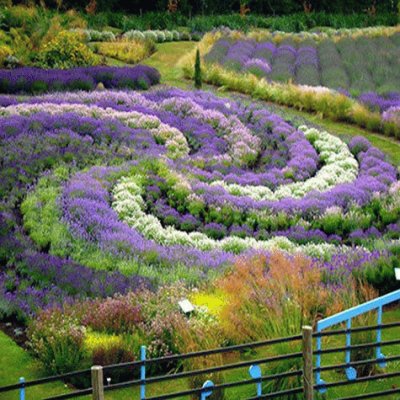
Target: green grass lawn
(16,362)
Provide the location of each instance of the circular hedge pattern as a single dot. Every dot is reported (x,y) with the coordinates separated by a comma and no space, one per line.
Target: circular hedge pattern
(186,182)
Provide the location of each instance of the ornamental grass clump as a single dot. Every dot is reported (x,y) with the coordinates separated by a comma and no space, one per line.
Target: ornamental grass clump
(106,349)
(284,292)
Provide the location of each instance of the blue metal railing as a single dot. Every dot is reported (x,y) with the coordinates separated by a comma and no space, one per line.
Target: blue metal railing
(347,316)
(256,366)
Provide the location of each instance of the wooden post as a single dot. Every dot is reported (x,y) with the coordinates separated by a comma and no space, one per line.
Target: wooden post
(308,374)
(97,383)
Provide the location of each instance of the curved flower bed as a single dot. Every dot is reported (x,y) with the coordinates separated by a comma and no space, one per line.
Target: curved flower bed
(174,185)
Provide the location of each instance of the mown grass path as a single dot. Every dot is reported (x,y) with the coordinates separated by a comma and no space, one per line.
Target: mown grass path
(165,59)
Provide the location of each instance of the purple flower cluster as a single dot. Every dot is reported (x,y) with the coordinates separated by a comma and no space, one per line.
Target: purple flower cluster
(36,80)
(257,66)
(43,281)
(74,279)
(392,115)
(286,155)
(380,103)
(283,62)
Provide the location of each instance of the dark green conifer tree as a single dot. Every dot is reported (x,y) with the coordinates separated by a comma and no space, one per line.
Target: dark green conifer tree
(197,71)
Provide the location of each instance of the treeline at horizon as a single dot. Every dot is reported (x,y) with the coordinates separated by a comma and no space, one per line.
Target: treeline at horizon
(190,8)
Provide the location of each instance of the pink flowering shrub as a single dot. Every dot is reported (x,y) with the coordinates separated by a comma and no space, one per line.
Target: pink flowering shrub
(57,340)
(120,314)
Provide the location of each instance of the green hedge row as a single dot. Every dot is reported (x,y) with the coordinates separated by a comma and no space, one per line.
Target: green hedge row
(289,23)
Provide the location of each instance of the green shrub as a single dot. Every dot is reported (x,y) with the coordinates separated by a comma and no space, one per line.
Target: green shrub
(134,35)
(150,35)
(66,51)
(5,52)
(175,35)
(19,16)
(169,37)
(380,274)
(21,44)
(185,36)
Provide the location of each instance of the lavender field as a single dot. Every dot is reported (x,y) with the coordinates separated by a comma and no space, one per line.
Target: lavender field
(121,196)
(366,68)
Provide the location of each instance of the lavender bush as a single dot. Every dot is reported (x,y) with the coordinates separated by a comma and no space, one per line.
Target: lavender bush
(35,80)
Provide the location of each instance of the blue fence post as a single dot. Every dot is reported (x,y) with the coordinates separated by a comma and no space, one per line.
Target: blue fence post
(206,393)
(22,388)
(143,373)
(378,354)
(255,373)
(351,373)
(318,379)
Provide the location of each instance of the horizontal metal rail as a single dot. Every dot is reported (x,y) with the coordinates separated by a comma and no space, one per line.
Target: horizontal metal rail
(357,329)
(288,392)
(356,363)
(225,367)
(42,381)
(204,353)
(357,347)
(358,380)
(265,378)
(372,395)
(229,386)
